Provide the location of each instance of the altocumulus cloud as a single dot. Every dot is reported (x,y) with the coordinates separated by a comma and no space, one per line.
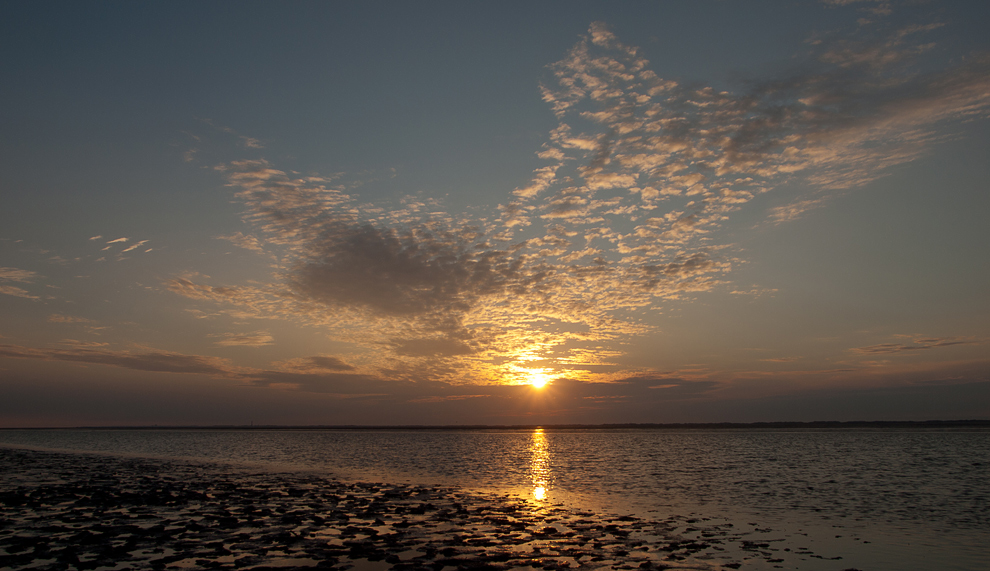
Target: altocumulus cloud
(640,173)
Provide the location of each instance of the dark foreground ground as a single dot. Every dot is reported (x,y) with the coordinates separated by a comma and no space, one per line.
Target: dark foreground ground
(92,512)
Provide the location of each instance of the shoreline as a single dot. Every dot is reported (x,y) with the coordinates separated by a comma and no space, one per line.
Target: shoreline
(777,425)
(101,512)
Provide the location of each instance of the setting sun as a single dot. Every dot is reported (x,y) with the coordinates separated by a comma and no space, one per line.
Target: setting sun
(538,379)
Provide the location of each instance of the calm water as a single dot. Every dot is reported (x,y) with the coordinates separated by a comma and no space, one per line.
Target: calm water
(881,499)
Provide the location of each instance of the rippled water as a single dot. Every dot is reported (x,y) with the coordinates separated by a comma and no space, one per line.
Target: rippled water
(893,499)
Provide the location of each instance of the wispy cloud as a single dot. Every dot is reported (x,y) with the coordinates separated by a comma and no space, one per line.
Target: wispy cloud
(245,141)
(796,209)
(256,339)
(317,364)
(447,398)
(155,361)
(317,374)
(134,246)
(17,292)
(247,242)
(918,344)
(17,275)
(122,243)
(58,318)
(83,344)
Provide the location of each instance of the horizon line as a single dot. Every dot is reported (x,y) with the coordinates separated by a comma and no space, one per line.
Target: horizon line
(631,425)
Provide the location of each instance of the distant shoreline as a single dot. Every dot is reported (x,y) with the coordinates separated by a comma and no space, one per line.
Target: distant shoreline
(880,424)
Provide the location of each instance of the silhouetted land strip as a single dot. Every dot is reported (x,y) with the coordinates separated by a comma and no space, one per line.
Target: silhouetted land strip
(827,424)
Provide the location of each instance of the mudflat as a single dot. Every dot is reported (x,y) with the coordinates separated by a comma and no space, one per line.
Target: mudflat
(100,512)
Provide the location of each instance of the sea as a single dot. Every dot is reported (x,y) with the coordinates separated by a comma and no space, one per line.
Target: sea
(868,499)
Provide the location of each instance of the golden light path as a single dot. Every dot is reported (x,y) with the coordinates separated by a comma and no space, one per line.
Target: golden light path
(539,467)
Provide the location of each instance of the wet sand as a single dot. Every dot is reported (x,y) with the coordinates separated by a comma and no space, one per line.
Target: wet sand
(95,512)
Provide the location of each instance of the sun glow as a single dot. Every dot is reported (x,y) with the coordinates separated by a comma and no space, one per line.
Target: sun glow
(538,379)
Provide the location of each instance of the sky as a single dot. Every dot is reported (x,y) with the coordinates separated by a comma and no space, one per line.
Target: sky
(394,213)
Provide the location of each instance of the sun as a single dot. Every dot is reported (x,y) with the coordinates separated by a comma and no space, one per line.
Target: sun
(538,379)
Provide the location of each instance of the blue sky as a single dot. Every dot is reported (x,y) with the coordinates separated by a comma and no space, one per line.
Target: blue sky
(378,213)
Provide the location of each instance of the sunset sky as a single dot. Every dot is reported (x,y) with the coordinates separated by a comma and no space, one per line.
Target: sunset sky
(414,212)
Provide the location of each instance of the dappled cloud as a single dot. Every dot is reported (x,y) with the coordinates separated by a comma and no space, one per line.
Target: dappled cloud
(639,176)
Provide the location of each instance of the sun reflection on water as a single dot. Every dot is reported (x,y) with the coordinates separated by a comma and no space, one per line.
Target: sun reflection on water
(539,467)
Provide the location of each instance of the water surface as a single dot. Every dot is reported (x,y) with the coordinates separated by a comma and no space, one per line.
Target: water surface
(879,499)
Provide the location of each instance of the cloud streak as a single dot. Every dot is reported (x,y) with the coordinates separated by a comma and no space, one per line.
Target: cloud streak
(256,339)
(20,276)
(59,318)
(153,361)
(919,344)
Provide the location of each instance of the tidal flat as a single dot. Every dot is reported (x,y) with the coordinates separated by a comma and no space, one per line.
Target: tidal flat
(86,511)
